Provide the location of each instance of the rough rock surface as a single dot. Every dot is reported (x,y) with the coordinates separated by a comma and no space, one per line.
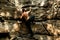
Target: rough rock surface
(47,19)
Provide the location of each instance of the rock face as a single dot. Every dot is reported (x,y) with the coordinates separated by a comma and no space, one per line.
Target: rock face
(47,18)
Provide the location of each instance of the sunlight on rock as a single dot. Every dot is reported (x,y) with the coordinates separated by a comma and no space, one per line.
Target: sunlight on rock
(49,38)
(51,29)
(2,14)
(42,3)
(16,27)
(8,14)
(6,26)
(41,38)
